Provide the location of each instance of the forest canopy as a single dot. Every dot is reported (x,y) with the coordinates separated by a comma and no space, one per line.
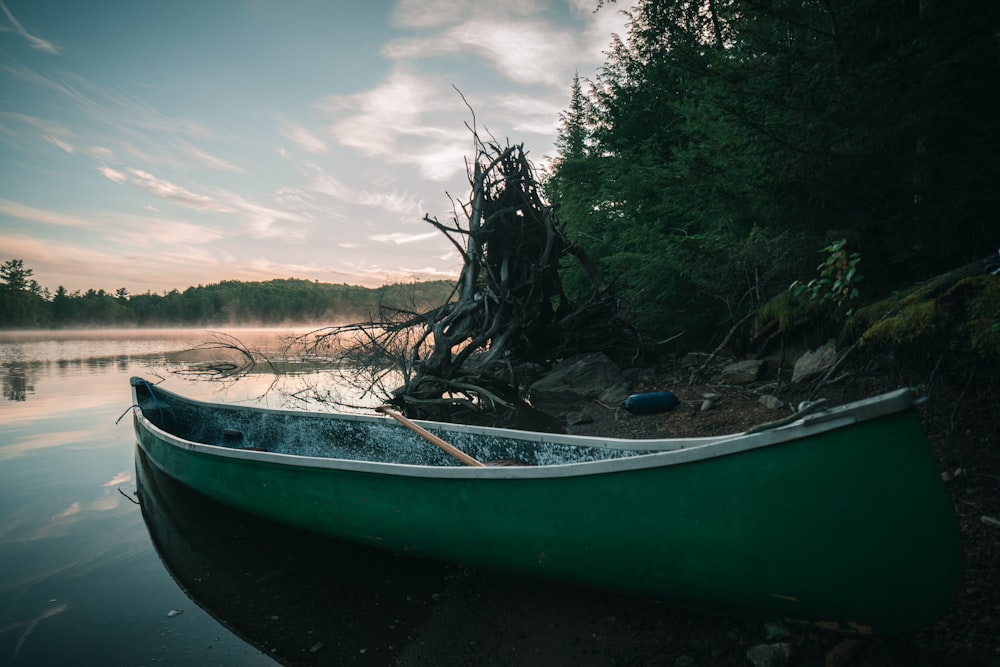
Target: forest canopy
(726,143)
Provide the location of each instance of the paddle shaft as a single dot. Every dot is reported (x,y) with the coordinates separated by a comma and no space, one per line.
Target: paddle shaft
(451,449)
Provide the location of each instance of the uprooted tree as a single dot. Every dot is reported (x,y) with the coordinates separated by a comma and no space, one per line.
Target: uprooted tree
(507,317)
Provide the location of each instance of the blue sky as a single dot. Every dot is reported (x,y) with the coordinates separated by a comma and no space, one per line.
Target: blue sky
(158,145)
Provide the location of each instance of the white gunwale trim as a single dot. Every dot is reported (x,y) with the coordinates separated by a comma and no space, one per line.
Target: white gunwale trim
(863,410)
(725,447)
(672,451)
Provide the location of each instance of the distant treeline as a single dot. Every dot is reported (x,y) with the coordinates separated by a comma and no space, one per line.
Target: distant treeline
(25,304)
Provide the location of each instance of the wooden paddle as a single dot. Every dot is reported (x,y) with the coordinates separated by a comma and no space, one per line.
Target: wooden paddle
(454,451)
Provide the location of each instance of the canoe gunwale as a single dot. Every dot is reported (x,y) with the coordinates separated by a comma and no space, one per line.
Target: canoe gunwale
(656,453)
(734,445)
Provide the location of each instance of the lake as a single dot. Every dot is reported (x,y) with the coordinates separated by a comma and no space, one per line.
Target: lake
(105,561)
(85,578)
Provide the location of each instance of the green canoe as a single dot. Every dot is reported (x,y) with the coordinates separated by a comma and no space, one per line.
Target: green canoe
(839,518)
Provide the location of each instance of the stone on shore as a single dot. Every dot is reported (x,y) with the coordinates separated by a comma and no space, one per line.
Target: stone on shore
(814,362)
(770,401)
(579,378)
(770,655)
(741,372)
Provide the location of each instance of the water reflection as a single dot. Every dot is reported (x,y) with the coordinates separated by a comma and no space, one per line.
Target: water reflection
(80,582)
(301,598)
(15,384)
(28,627)
(41,441)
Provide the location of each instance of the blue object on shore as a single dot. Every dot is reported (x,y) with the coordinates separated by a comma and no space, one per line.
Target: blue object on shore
(657,401)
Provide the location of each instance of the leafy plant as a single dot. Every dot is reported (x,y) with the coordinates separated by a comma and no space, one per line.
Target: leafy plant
(838,278)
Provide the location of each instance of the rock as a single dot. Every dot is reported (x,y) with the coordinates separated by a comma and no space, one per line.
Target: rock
(773,402)
(640,375)
(614,394)
(708,404)
(578,417)
(692,359)
(741,372)
(842,654)
(814,362)
(770,655)
(586,376)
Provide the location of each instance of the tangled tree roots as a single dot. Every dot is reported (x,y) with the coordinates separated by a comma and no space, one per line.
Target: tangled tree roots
(508,313)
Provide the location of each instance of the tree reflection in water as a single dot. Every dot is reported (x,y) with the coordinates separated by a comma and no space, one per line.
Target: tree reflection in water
(15,383)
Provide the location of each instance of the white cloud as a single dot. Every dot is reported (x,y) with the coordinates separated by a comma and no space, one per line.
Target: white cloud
(108,105)
(211,161)
(520,39)
(527,114)
(303,138)
(442,162)
(196,260)
(266,222)
(428,13)
(122,107)
(402,204)
(156,232)
(526,52)
(373,122)
(56,141)
(345,203)
(70,264)
(321,183)
(36,42)
(99,152)
(113,175)
(398,238)
(259,220)
(166,190)
(440,13)
(22,212)
(43,126)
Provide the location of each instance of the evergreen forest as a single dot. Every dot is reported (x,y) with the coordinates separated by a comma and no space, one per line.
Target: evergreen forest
(26,304)
(732,149)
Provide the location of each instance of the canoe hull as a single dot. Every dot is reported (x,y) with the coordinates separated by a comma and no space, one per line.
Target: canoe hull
(851,529)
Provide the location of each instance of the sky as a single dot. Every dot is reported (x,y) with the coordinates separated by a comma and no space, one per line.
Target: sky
(159,145)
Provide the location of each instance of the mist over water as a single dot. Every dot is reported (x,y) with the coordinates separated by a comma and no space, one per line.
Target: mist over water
(80,580)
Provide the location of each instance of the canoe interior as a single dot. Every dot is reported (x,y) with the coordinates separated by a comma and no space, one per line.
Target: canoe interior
(352,437)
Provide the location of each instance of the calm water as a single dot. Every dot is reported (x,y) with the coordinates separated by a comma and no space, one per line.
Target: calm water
(88,576)
(86,579)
